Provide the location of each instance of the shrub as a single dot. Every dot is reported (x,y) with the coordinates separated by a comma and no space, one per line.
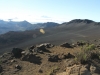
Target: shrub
(90,47)
(81,57)
(87,53)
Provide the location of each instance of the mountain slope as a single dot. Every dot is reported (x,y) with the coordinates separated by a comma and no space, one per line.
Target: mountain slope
(71,31)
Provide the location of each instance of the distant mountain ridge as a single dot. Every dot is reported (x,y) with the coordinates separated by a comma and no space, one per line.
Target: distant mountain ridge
(81,20)
(87,21)
(6,26)
(78,29)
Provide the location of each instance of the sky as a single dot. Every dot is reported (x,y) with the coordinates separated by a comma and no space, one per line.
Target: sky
(49,10)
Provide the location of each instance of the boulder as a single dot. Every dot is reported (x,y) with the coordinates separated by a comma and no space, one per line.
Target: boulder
(53,58)
(17,52)
(48,45)
(40,71)
(69,56)
(81,43)
(37,50)
(66,45)
(94,55)
(27,56)
(43,47)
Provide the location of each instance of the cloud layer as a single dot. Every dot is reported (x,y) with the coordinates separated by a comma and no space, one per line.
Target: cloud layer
(30,18)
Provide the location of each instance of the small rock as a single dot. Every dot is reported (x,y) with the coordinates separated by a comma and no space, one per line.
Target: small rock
(40,71)
(17,52)
(23,52)
(69,56)
(62,56)
(17,67)
(74,45)
(12,61)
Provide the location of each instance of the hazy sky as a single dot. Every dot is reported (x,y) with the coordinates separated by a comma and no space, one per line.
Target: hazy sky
(49,10)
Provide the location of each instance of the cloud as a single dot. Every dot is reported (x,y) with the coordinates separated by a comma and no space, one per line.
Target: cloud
(30,18)
(12,19)
(45,16)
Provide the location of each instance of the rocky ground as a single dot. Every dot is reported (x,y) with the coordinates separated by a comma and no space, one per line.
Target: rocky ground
(48,59)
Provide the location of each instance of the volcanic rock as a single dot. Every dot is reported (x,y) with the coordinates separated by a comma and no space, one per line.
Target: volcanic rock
(17,52)
(66,45)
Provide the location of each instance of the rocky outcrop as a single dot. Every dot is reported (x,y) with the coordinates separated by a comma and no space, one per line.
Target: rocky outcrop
(80,70)
(51,62)
(27,56)
(40,48)
(76,70)
(44,47)
(57,57)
